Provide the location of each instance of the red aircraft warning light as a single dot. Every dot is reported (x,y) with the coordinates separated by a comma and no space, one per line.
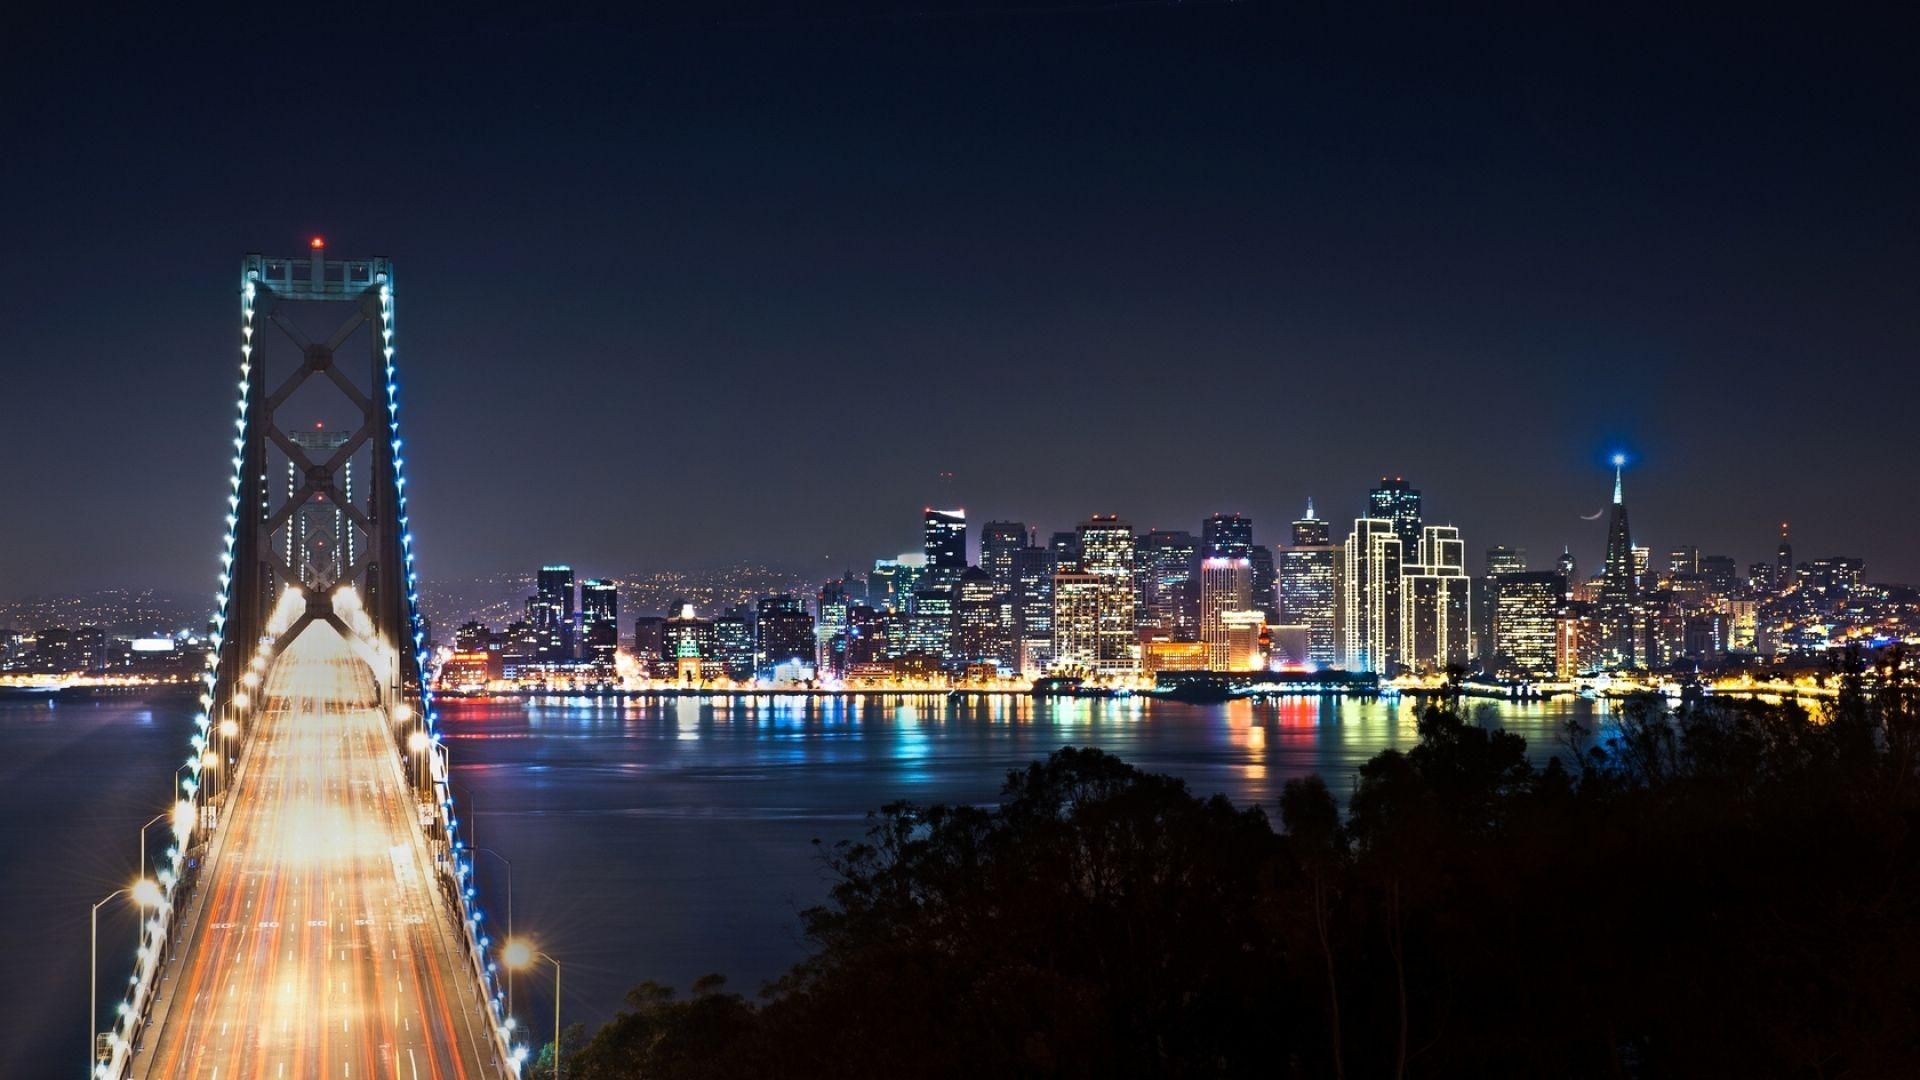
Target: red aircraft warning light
(317,243)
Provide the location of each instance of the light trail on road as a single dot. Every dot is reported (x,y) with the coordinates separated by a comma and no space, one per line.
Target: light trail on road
(322,945)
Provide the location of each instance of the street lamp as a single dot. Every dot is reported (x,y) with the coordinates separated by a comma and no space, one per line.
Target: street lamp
(504,861)
(416,744)
(519,954)
(146,894)
(163,815)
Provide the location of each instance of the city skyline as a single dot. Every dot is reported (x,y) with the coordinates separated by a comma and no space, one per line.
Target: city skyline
(1072,266)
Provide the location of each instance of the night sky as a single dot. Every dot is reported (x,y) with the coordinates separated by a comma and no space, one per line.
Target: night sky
(738,283)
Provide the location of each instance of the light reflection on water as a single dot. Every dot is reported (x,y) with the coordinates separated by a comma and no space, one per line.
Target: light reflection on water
(666,839)
(655,840)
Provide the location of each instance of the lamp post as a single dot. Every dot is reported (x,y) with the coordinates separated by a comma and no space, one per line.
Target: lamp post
(143,838)
(416,745)
(147,895)
(508,863)
(519,954)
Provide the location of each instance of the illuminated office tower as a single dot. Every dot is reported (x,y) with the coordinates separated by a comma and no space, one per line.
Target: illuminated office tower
(1226,586)
(1436,624)
(600,621)
(830,607)
(999,541)
(1242,630)
(550,613)
(1064,547)
(883,584)
(1617,607)
(1526,616)
(978,635)
(1106,552)
(1370,596)
(1172,595)
(945,545)
(690,645)
(1309,588)
(1502,559)
(1642,562)
(1078,600)
(1310,531)
(1783,574)
(1568,568)
(1397,501)
(1032,605)
(1683,561)
(1266,582)
(1719,576)
(930,624)
(783,635)
(733,644)
(1226,536)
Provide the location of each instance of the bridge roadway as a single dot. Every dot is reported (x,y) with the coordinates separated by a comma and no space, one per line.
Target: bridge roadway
(320,943)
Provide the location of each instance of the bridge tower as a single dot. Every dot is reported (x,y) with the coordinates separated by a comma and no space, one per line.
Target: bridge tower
(314,327)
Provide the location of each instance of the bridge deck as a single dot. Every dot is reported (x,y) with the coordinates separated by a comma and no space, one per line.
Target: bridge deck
(320,944)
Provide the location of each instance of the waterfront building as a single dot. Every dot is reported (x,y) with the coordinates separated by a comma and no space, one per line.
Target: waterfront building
(1371,561)
(733,644)
(1033,603)
(1526,615)
(550,613)
(1617,606)
(977,635)
(1309,588)
(1106,552)
(1436,630)
(1242,633)
(690,645)
(1226,587)
(1172,599)
(783,635)
(1077,603)
(600,622)
(945,546)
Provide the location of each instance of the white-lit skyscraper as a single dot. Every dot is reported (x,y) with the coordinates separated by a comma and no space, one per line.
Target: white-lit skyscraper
(1226,586)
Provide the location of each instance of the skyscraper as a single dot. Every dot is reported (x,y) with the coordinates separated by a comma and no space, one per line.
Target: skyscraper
(1064,547)
(1502,559)
(783,635)
(999,540)
(600,621)
(1226,586)
(1226,536)
(1265,580)
(978,636)
(1397,501)
(1172,596)
(1309,588)
(1525,616)
(1106,552)
(1371,563)
(1617,606)
(1436,625)
(1309,530)
(550,613)
(1077,603)
(1032,604)
(945,544)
